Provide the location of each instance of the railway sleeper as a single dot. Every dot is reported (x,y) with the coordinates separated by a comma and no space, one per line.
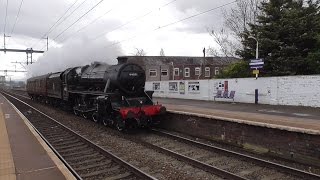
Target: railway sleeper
(70,145)
(72,149)
(58,136)
(64,142)
(63,139)
(80,157)
(120,176)
(76,153)
(89,161)
(109,171)
(250,170)
(103,163)
(52,130)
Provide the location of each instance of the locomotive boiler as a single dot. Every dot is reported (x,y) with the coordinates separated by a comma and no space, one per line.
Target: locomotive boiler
(111,94)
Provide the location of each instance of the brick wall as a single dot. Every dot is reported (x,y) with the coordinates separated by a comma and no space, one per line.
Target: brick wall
(296,146)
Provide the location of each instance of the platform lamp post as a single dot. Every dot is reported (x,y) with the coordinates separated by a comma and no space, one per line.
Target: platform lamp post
(257,46)
(257,50)
(257,56)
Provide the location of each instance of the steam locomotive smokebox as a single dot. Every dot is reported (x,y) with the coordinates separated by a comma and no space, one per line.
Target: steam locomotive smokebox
(122,60)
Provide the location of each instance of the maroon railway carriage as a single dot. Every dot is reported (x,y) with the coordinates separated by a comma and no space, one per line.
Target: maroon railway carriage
(37,87)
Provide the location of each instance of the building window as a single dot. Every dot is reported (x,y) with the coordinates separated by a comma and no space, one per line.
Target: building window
(197,71)
(186,72)
(164,72)
(176,71)
(152,72)
(216,71)
(207,72)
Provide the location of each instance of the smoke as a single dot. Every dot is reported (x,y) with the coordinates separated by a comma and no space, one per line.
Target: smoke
(75,52)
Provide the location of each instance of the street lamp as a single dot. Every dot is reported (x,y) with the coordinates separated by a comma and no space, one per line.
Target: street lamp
(257,46)
(257,51)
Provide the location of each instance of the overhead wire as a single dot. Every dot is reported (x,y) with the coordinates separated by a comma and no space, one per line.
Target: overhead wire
(135,19)
(15,22)
(130,21)
(58,22)
(170,24)
(84,27)
(78,19)
(5,19)
(69,14)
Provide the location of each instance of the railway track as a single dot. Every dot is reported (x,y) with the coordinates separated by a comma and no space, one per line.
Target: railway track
(83,158)
(223,162)
(218,161)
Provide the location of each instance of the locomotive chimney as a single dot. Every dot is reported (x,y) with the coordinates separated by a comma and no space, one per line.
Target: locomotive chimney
(122,60)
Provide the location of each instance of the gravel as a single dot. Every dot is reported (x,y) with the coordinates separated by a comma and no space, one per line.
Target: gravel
(156,164)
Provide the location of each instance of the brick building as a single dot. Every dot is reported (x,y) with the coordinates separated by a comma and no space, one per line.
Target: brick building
(162,68)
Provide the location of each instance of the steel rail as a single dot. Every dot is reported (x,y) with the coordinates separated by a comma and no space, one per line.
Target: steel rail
(105,152)
(77,176)
(256,160)
(198,164)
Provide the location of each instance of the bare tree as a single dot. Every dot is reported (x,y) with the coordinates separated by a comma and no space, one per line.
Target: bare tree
(211,51)
(227,45)
(238,18)
(139,52)
(162,52)
(236,21)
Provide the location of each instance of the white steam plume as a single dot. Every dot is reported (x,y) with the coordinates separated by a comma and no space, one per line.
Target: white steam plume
(75,52)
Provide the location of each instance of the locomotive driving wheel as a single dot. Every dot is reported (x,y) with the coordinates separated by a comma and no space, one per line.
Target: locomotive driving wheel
(120,123)
(85,115)
(75,112)
(95,117)
(105,122)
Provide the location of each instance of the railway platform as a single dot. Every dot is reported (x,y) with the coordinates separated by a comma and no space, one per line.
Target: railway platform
(23,154)
(300,119)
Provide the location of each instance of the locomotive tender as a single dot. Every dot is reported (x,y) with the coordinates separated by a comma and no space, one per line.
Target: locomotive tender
(112,94)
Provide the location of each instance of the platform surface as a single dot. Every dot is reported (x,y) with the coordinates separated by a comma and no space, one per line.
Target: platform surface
(307,118)
(22,154)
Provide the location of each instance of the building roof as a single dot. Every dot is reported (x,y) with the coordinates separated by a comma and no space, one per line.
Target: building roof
(179,60)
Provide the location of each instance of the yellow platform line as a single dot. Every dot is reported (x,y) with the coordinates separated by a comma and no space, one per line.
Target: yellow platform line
(64,170)
(7,167)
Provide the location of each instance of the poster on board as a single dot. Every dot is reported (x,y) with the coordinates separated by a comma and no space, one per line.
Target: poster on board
(194,87)
(221,85)
(173,86)
(182,88)
(156,86)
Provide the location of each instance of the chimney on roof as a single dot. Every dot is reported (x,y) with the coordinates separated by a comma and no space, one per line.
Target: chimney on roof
(122,60)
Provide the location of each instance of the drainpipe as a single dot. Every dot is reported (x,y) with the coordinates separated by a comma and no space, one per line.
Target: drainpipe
(172,71)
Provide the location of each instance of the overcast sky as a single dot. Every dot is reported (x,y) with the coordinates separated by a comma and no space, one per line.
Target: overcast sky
(104,39)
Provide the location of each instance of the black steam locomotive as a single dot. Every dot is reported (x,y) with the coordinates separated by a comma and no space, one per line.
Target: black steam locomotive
(111,94)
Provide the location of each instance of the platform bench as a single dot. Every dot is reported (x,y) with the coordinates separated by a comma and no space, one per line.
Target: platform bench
(225,95)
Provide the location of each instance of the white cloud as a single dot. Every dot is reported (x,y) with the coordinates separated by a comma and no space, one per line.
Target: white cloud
(186,38)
